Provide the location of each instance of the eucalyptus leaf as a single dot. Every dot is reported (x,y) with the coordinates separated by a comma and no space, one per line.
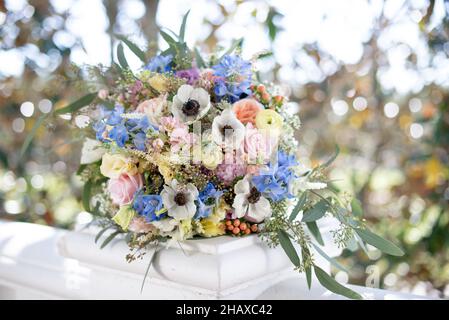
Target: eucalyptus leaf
(379,242)
(121,57)
(99,234)
(237,43)
(316,212)
(356,207)
(78,104)
(332,261)
(315,231)
(288,247)
(199,59)
(87,190)
(134,48)
(31,134)
(299,205)
(168,38)
(332,285)
(182,29)
(109,239)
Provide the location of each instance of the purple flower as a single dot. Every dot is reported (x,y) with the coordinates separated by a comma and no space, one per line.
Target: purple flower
(191,75)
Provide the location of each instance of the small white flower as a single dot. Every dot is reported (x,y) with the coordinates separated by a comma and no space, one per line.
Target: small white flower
(250,203)
(165,226)
(190,104)
(179,200)
(92,151)
(302,183)
(227,130)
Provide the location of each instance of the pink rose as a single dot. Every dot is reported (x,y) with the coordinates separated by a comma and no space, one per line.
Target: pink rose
(256,145)
(168,124)
(153,108)
(123,188)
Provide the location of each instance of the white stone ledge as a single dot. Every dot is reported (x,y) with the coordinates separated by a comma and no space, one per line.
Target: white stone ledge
(38,262)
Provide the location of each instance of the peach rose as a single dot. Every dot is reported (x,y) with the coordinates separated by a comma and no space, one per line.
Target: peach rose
(123,188)
(246,110)
(153,108)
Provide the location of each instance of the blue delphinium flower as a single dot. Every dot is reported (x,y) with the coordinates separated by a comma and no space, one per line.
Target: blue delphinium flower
(114,117)
(160,64)
(119,134)
(233,78)
(99,128)
(149,206)
(273,182)
(207,199)
(139,141)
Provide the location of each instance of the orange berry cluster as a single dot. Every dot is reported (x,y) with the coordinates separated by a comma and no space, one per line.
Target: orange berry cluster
(264,97)
(240,228)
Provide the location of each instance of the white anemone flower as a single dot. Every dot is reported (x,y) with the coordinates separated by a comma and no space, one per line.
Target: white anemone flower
(250,203)
(228,130)
(179,200)
(190,104)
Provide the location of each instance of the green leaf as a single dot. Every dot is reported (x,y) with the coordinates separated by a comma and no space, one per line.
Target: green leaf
(325,256)
(199,59)
(78,104)
(288,247)
(237,43)
(308,270)
(121,57)
(356,207)
(87,190)
(182,29)
(379,242)
(301,201)
(134,48)
(168,38)
(316,212)
(332,285)
(31,134)
(315,231)
(100,233)
(332,159)
(109,239)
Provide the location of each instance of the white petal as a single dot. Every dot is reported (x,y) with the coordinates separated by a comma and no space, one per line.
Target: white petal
(193,191)
(178,212)
(259,211)
(184,92)
(240,205)
(200,95)
(242,186)
(167,198)
(191,209)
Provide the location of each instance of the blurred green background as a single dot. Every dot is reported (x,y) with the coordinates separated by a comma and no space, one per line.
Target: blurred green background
(370,76)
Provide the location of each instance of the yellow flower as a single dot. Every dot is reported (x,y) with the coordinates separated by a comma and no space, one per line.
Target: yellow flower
(124,216)
(113,165)
(212,228)
(158,82)
(269,120)
(165,168)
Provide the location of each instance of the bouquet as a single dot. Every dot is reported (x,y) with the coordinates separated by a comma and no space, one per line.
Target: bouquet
(193,146)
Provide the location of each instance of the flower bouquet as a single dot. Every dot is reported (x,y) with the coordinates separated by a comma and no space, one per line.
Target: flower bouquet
(196,147)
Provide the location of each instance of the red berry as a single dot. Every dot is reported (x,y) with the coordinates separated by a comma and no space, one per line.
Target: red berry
(236,222)
(243,226)
(236,230)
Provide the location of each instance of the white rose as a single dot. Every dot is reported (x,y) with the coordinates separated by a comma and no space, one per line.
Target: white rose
(92,151)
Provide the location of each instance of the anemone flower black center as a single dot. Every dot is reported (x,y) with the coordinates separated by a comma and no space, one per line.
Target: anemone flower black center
(224,128)
(180,199)
(191,108)
(254,195)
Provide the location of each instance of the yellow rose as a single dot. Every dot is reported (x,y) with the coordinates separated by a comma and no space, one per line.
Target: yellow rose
(113,165)
(212,156)
(158,82)
(269,120)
